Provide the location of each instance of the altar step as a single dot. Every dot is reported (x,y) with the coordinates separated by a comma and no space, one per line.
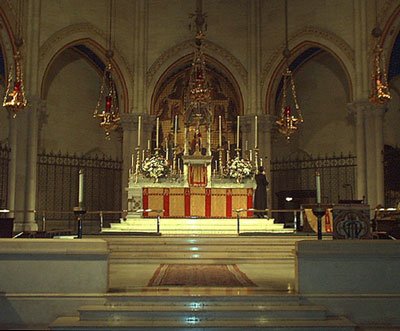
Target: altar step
(226,226)
(201,312)
(202,249)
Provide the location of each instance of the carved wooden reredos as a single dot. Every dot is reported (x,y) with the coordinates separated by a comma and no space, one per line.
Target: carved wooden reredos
(169,94)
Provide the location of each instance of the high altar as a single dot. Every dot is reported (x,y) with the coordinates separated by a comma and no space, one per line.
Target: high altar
(186,170)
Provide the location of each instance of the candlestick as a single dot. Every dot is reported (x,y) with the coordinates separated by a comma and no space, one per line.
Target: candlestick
(229,145)
(166,148)
(176,130)
(251,155)
(220,130)
(132,161)
(246,145)
(143,154)
(157,130)
(216,165)
(255,132)
(80,194)
(148,144)
(318,185)
(237,132)
(184,142)
(139,130)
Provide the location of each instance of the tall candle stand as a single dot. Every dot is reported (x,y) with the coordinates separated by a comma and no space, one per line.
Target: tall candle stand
(174,165)
(221,167)
(256,156)
(238,152)
(137,166)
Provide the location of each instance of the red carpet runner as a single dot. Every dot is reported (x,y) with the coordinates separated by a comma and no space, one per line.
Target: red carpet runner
(218,275)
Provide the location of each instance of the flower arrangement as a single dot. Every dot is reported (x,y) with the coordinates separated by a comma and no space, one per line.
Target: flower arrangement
(239,168)
(155,166)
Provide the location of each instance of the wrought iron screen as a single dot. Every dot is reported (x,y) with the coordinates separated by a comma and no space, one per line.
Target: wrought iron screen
(4,162)
(338,177)
(391,161)
(58,185)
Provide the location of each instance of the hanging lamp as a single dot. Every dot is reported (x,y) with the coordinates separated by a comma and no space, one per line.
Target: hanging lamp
(107,108)
(379,85)
(198,96)
(15,99)
(289,118)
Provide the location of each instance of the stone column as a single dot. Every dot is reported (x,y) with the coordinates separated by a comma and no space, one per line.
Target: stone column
(357,109)
(265,149)
(129,127)
(379,112)
(12,170)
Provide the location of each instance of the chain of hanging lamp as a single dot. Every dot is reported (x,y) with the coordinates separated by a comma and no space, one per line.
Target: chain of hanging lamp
(289,118)
(107,108)
(379,85)
(15,99)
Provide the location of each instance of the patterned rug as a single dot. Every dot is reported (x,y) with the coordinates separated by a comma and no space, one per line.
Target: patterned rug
(217,275)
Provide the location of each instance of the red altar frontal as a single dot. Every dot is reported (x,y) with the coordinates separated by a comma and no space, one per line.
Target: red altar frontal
(197,201)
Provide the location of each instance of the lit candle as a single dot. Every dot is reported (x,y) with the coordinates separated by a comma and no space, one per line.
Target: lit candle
(220,130)
(80,195)
(255,132)
(318,185)
(237,132)
(251,155)
(139,130)
(157,129)
(176,130)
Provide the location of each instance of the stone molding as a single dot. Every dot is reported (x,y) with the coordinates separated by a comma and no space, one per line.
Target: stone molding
(302,35)
(189,46)
(87,30)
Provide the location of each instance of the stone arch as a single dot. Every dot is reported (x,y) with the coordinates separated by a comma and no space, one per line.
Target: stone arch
(6,39)
(305,39)
(391,33)
(93,38)
(173,55)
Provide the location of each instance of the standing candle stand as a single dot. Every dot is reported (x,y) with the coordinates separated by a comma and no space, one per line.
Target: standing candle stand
(318,210)
(137,166)
(221,168)
(80,210)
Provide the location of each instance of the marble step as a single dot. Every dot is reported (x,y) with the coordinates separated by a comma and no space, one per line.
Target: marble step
(198,255)
(165,312)
(198,248)
(193,323)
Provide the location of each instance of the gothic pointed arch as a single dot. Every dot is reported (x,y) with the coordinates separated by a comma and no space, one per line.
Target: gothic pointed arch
(308,43)
(168,97)
(86,35)
(170,57)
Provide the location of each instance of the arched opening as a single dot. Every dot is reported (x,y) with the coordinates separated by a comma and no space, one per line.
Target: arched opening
(169,96)
(322,141)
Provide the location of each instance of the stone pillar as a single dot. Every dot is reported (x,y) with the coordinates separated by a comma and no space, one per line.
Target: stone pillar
(379,112)
(266,122)
(129,127)
(357,109)
(12,170)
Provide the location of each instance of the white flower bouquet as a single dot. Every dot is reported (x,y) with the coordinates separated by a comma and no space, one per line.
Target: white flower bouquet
(155,167)
(239,168)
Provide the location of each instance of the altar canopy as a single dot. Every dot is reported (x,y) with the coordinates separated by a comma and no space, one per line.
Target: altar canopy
(197,202)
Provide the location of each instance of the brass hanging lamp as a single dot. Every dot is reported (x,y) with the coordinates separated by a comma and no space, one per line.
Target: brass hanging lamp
(107,108)
(15,99)
(380,93)
(289,118)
